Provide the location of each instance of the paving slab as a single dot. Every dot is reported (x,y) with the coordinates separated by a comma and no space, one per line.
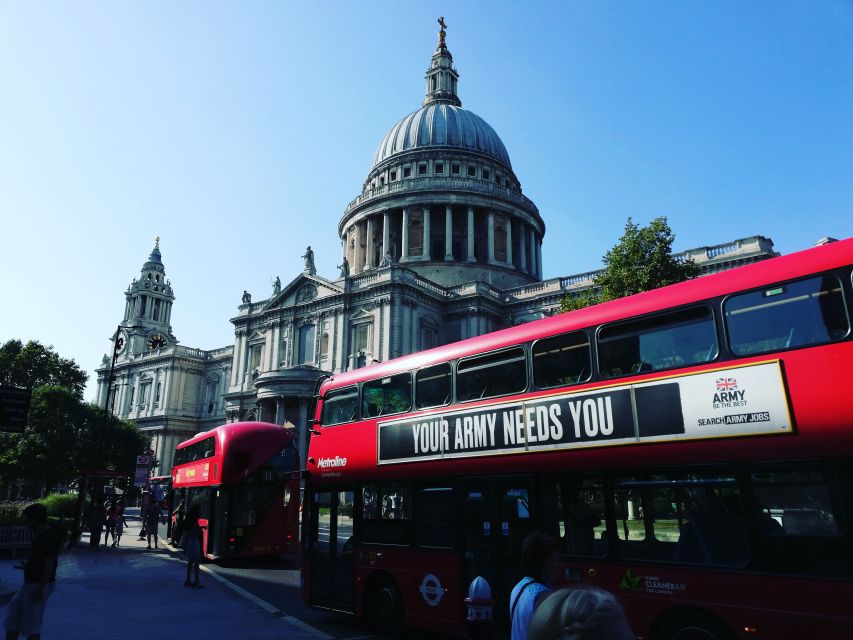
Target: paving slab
(143,592)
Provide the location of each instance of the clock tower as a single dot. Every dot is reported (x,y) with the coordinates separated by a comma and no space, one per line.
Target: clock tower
(147,314)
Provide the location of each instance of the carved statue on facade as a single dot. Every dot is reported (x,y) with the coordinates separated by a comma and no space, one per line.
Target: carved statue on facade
(386,260)
(344,267)
(247,297)
(309,261)
(276,287)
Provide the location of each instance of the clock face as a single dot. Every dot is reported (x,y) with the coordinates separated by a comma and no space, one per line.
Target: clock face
(156,341)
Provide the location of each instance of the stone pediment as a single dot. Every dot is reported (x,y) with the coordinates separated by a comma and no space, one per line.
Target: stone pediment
(304,289)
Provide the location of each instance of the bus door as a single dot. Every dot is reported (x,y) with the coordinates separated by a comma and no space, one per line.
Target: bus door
(331,549)
(496,519)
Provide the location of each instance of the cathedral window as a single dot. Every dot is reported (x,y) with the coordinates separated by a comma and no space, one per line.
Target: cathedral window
(486,174)
(130,402)
(156,313)
(361,338)
(157,394)
(382,181)
(422,169)
(324,345)
(439,167)
(256,354)
(393,176)
(142,306)
(454,169)
(472,171)
(306,344)
(407,172)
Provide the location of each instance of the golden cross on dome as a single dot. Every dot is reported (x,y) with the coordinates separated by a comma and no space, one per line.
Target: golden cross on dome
(441,22)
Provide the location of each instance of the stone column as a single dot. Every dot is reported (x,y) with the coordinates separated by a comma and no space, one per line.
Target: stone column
(386,233)
(167,385)
(427,233)
(509,240)
(368,247)
(405,255)
(491,236)
(470,257)
(279,411)
(302,431)
(522,245)
(448,232)
(539,258)
(531,256)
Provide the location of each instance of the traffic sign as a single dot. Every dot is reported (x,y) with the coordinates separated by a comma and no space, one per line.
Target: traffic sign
(14,407)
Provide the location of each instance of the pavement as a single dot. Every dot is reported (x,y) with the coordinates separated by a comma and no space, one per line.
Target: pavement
(142,591)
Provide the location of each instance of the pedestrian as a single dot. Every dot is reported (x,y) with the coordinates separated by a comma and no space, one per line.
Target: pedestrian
(178,523)
(26,610)
(540,559)
(191,542)
(146,501)
(113,517)
(151,521)
(579,614)
(118,530)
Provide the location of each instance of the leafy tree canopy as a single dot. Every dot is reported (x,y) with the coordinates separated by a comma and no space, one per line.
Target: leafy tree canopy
(32,365)
(642,260)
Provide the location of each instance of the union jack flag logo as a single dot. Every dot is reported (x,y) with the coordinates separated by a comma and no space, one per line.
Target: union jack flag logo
(726,384)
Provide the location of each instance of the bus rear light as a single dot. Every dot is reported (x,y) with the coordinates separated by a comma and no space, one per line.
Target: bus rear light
(232,539)
(750,629)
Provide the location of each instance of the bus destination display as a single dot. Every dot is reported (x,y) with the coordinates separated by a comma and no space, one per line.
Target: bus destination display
(738,401)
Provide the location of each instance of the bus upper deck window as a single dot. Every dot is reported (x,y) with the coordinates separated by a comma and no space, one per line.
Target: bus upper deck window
(386,396)
(432,386)
(788,315)
(491,375)
(340,406)
(561,360)
(663,341)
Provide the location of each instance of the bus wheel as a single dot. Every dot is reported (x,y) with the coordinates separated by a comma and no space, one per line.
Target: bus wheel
(386,607)
(693,625)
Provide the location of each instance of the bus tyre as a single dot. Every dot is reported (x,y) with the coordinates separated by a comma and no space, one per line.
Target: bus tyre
(693,625)
(386,607)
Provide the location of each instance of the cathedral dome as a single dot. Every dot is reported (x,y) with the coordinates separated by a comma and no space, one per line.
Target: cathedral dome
(440,124)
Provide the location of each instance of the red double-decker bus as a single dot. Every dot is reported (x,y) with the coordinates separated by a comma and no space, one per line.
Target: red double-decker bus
(691,448)
(245,478)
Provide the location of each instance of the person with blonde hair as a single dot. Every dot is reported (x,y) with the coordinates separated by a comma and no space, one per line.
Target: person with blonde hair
(579,614)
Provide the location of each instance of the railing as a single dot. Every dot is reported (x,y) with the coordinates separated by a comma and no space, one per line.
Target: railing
(431,183)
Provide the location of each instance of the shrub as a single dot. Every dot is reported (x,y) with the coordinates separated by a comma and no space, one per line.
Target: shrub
(10,510)
(61,504)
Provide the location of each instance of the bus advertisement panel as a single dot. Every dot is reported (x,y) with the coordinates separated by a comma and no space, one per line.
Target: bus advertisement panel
(244,476)
(691,448)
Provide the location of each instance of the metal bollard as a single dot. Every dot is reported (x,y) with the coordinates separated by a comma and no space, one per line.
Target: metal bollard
(479,622)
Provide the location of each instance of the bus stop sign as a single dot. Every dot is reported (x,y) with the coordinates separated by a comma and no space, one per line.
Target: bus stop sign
(14,407)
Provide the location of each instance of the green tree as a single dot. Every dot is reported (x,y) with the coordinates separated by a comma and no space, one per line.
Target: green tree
(32,365)
(63,435)
(642,260)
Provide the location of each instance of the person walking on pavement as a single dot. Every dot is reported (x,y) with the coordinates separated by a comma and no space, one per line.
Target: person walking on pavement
(191,541)
(26,610)
(113,517)
(151,520)
(178,523)
(146,501)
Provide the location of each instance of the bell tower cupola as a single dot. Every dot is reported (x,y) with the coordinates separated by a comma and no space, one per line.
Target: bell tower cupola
(148,310)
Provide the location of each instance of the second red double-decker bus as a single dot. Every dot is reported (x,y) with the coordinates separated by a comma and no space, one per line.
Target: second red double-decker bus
(245,478)
(690,447)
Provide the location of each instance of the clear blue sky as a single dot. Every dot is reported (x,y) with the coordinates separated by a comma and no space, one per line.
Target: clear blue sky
(239,131)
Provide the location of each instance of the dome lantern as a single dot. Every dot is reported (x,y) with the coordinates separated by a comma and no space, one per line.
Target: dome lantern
(441,77)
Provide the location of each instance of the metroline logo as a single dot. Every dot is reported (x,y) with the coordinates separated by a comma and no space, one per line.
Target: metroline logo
(337,461)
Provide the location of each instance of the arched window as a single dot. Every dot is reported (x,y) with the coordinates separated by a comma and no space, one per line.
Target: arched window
(500,240)
(324,345)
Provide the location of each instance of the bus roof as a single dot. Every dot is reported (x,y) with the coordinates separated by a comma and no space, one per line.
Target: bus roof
(233,432)
(816,259)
